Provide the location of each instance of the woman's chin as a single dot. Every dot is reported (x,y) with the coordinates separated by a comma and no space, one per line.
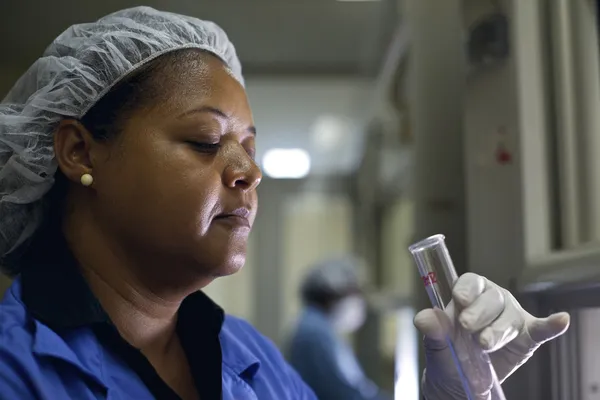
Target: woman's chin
(222,266)
(231,266)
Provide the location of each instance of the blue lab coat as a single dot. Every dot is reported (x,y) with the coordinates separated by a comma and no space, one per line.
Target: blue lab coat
(326,363)
(37,362)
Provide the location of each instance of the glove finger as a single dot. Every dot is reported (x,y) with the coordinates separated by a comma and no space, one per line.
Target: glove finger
(468,288)
(429,325)
(502,331)
(484,310)
(543,329)
(435,325)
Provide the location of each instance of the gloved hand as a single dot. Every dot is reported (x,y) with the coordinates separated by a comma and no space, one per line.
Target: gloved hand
(509,333)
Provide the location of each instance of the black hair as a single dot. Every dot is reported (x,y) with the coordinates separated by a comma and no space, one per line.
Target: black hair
(105,120)
(324,299)
(320,299)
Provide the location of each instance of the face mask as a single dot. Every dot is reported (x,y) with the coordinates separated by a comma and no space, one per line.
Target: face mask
(349,314)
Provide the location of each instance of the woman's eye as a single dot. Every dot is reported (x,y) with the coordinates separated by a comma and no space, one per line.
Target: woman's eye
(205,147)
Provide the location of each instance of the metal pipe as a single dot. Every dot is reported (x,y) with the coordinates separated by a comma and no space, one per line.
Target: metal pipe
(566,122)
(587,72)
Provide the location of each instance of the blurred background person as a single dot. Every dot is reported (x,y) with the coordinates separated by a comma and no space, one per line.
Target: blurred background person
(334,307)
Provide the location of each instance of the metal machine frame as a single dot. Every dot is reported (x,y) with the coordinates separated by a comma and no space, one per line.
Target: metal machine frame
(567,281)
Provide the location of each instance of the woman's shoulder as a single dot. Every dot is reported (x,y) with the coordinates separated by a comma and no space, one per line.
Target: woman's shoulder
(248,352)
(17,359)
(239,335)
(15,324)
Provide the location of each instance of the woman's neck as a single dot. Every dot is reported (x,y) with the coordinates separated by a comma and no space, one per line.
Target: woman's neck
(134,294)
(143,320)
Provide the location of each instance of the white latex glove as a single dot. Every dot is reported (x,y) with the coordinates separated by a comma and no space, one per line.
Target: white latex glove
(509,333)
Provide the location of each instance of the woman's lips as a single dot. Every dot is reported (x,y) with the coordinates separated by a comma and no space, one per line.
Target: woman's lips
(237,218)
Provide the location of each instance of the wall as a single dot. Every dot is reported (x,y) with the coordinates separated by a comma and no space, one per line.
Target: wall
(436,107)
(509,212)
(8,77)
(316,226)
(540,105)
(286,112)
(436,96)
(590,355)
(235,293)
(509,209)
(299,222)
(400,341)
(494,190)
(489,211)
(398,233)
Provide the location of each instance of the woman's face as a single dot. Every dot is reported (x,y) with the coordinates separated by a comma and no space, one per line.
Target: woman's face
(180,180)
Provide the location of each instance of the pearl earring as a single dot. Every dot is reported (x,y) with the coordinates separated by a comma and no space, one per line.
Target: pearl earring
(87,180)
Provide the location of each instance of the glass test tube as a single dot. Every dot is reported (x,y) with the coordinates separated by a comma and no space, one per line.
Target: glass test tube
(473,363)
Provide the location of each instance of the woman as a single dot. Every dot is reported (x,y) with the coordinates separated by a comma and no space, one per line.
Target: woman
(128,184)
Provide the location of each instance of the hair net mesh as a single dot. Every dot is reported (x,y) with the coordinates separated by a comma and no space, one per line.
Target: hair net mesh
(333,276)
(75,71)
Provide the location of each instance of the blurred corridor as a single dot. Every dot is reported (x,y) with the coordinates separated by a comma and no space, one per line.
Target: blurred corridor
(381,122)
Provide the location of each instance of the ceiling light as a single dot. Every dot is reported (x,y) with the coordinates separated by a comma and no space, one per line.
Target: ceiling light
(286,163)
(328,132)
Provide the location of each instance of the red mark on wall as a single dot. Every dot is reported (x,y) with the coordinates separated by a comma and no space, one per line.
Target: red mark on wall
(503,156)
(429,279)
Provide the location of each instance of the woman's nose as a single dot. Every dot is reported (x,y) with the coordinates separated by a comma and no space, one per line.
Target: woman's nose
(242,172)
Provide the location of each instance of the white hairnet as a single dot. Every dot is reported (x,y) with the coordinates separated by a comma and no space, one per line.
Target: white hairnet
(333,276)
(75,71)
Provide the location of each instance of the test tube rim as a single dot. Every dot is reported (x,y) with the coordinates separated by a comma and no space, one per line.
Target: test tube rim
(427,243)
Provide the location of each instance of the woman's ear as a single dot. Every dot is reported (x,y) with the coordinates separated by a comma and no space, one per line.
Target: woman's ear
(73,146)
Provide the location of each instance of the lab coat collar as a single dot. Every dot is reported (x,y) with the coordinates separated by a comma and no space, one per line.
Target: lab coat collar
(236,354)
(48,344)
(54,290)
